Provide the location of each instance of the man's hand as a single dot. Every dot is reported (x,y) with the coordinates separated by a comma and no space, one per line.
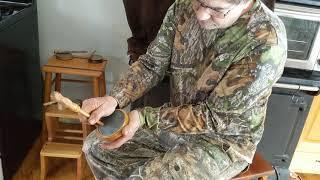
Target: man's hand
(127,132)
(98,108)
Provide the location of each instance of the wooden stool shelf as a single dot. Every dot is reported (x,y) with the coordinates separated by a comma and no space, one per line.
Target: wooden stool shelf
(60,150)
(53,111)
(52,116)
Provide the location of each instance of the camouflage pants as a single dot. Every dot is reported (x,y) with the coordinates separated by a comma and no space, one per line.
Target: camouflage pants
(159,156)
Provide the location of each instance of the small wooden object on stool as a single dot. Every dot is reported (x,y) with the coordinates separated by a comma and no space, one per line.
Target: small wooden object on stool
(259,169)
(51,149)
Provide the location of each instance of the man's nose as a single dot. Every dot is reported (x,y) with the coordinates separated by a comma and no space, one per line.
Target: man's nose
(202,14)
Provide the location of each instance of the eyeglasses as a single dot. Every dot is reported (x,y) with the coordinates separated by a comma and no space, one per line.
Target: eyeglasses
(215,12)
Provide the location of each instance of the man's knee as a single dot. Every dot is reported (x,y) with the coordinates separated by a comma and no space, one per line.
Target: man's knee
(89,142)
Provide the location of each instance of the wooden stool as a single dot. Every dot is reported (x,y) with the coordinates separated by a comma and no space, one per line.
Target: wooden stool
(259,169)
(60,150)
(76,66)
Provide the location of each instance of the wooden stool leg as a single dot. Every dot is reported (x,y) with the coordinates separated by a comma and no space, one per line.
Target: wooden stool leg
(103,85)
(46,95)
(47,86)
(79,168)
(43,133)
(96,91)
(43,167)
(85,130)
(58,82)
(51,127)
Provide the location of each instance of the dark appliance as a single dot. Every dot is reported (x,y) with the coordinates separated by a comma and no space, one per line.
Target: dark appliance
(20,79)
(286,115)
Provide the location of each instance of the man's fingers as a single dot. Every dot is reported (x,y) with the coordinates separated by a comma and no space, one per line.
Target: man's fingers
(133,125)
(99,113)
(96,116)
(129,129)
(90,105)
(127,132)
(98,107)
(117,143)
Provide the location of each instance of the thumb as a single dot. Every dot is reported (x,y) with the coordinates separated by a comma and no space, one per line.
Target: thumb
(126,131)
(129,129)
(133,125)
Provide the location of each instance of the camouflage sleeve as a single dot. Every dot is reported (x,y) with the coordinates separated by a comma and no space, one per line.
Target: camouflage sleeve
(150,68)
(236,104)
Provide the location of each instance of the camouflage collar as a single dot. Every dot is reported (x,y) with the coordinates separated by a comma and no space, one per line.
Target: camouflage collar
(254,8)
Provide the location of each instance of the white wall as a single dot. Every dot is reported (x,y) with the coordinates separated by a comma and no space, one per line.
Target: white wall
(85,25)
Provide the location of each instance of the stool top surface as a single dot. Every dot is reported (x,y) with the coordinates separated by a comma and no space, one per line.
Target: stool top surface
(53,111)
(259,168)
(64,150)
(77,63)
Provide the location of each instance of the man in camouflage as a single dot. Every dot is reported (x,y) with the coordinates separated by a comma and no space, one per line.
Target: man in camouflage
(223,57)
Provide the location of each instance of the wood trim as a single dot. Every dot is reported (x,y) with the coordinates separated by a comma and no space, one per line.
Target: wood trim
(103,85)
(47,86)
(77,63)
(96,89)
(312,117)
(57,80)
(306,158)
(69,131)
(75,80)
(71,71)
(69,138)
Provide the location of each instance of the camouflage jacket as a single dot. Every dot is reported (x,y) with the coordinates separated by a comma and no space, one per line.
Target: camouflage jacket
(220,80)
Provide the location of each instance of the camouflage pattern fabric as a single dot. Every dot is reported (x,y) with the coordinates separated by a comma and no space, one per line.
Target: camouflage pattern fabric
(221,80)
(161,156)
